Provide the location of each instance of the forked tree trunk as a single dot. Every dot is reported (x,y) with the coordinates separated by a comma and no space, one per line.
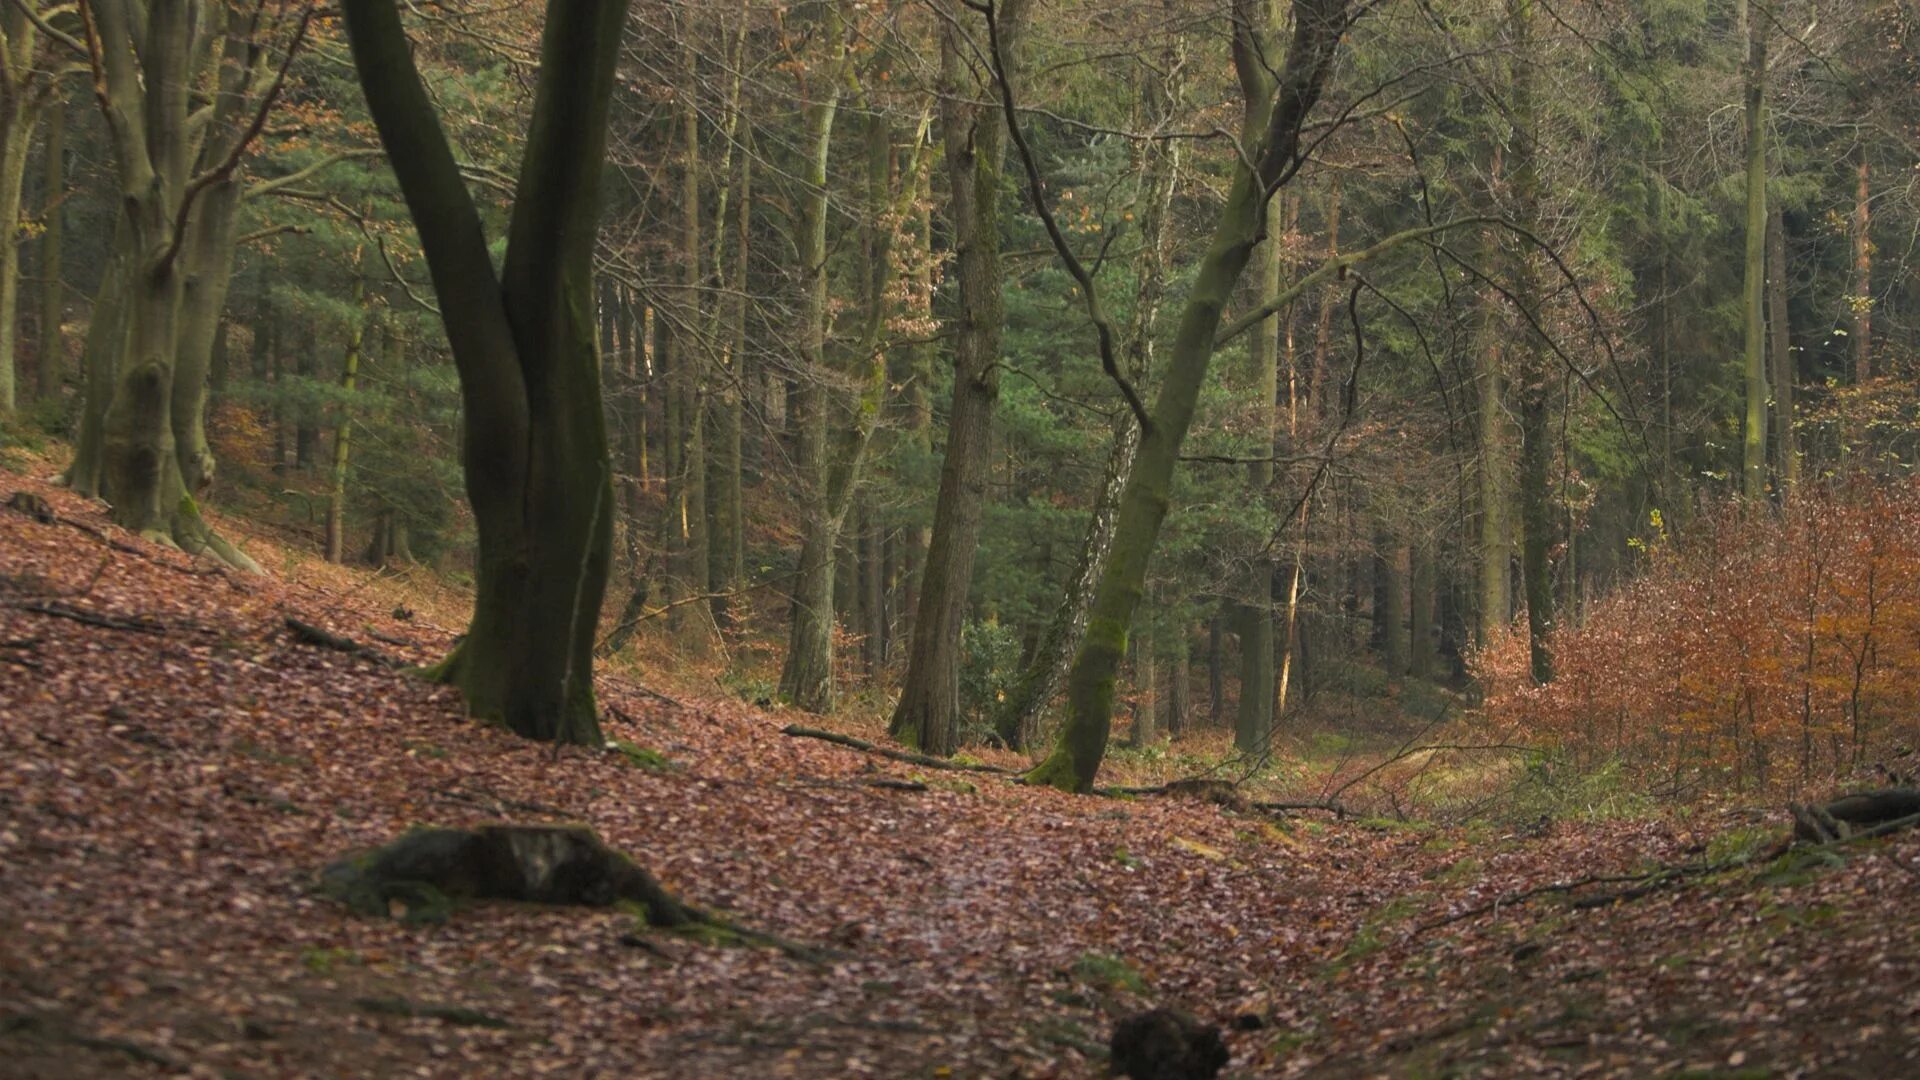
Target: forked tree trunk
(535,445)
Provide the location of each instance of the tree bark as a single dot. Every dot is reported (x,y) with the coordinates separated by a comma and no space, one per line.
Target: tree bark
(53,294)
(1862,298)
(807,677)
(343,431)
(1753,458)
(928,712)
(1420,597)
(535,451)
(1273,144)
(1786,447)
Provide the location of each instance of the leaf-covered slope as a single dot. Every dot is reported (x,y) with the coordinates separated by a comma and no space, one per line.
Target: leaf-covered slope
(171,782)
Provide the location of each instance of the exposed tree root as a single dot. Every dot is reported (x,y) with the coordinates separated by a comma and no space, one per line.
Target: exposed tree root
(308,634)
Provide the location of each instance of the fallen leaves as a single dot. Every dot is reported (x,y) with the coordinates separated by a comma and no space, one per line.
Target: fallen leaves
(166,798)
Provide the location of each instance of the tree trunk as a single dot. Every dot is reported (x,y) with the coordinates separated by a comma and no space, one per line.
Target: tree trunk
(1420,598)
(1175,696)
(806,679)
(535,451)
(727,542)
(18,114)
(1862,298)
(1753,458)
(106,340)
(1019,718)
(343,431)
(1146,688)
(1534,388)
(1495,546)
(1253,724)
(928,713)
(1786,447)
(53,294)
(1393,602)
(688,559)
(1272,143)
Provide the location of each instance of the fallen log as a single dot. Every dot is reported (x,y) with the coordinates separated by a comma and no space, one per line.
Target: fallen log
(866,747)
(1853,815)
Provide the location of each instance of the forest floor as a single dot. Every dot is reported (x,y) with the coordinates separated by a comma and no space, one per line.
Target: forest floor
(175,768)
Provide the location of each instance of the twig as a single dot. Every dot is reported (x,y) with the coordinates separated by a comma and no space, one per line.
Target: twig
(110,622)
(897,755)
(308,634)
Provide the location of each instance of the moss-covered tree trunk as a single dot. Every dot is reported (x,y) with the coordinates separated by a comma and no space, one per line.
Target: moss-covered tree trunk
(806,678)
(535,442)
(1272,159)
(21,96)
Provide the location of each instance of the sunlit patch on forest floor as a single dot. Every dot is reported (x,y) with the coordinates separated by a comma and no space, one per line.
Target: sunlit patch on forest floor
(177,768)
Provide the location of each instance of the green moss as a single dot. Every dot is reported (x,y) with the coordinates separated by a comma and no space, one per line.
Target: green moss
(322,961)
(715,934)
(1124,858)
(1371,937)
(1106,971)
(1055,772)
(1738,845)
(640,756)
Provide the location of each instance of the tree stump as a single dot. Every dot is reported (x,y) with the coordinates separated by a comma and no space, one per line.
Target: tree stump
(423,874)
(1167,1044)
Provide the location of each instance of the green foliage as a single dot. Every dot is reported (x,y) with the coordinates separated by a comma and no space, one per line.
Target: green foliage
(989,667)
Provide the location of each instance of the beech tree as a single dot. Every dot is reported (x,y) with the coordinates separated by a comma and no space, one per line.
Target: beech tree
(535,444)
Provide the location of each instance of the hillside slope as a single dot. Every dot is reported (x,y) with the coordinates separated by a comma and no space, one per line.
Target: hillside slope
(177,767)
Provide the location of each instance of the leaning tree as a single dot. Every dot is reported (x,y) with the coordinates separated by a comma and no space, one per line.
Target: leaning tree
(523,340)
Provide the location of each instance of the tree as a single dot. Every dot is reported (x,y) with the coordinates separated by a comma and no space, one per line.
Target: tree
(1271,137)
(1753,460)
(534,450)
(143,441)
(928,713)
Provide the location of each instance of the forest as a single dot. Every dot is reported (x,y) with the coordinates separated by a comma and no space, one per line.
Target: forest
(949,538)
